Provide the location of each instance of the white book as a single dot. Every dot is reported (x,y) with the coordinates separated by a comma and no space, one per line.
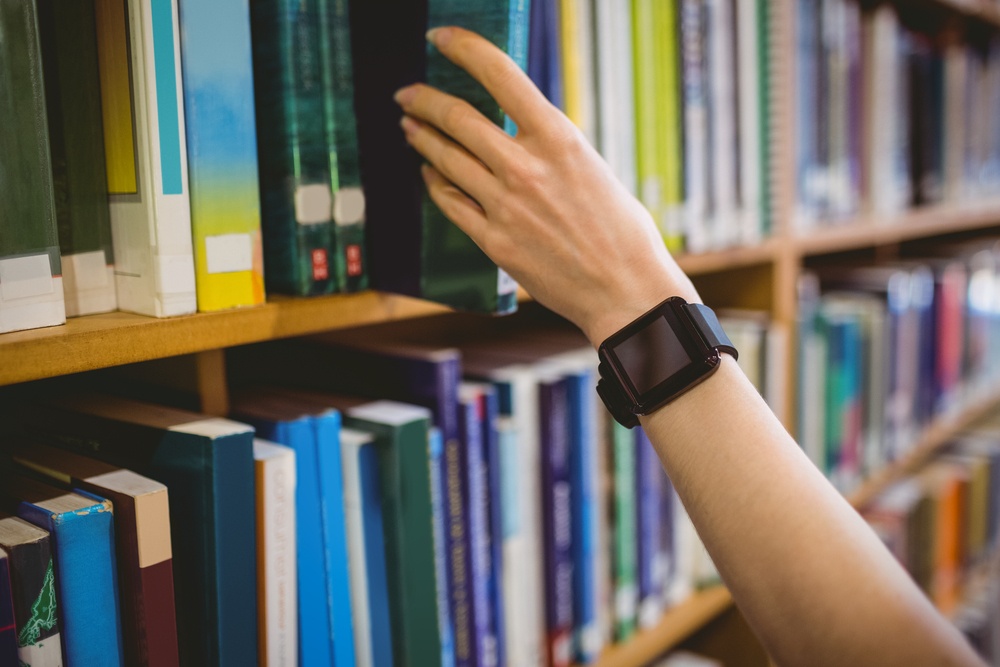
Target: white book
(695,114)
(748,18)
(278,625)
(724,228)
(351,443)
(147,160)
(615,101)
(587,71)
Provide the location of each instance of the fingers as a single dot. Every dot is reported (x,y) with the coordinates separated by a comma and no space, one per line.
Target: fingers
(451,160)
(502,78)
(455,204)
(458,119)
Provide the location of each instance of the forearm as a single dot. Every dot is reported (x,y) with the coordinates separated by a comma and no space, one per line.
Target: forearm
(812,579)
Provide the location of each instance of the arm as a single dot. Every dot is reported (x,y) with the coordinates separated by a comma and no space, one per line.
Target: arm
(814,582)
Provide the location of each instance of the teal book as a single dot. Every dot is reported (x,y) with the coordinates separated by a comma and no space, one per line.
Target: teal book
(401,442)
(292,151)
(207,465)
(82,529)
(348,256)
(68,32)
(31,289)
(222,153)
(413,248)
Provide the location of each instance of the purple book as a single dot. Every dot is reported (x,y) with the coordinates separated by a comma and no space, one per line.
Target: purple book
(649,481)
(557,517)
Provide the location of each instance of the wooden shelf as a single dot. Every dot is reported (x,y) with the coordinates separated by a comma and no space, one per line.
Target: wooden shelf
(874,231)
(938,434)
(732,258)
(677,624)
(100,341)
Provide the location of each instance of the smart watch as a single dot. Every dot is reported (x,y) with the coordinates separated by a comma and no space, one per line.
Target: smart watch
(658,357)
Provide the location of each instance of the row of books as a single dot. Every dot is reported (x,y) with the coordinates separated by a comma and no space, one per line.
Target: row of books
(885,349)
(892,111)
(674,94)
(941,523)
(156,165)
(474,503)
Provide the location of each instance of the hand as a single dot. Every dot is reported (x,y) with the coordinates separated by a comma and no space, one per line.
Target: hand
(543,205)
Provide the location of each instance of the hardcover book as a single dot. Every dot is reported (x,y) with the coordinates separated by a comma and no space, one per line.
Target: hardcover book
(142,102)
(221,153)
(207,463)
(83,548)
(143,549)
(31,285)
(72,91)
(33,585)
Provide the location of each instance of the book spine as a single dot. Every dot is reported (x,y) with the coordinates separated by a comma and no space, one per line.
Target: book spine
(294,161)
(277,628)
(349,260)
(375,558)
(438,492)
(86,578)
(693,39)
(583,470)
(543,54)
(146,154)
(477,505)
(557,506)
(461,575)
(326,429)
(30,266)
(495,531)
(750,90)
(649,476)
(222,153)
(8,629)
(72,91)
(36,613)
(669,105)
(625,591)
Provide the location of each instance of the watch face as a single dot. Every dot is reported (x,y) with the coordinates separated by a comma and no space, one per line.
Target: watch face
(651,355)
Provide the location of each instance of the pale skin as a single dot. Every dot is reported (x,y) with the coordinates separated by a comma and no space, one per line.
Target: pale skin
(814,582)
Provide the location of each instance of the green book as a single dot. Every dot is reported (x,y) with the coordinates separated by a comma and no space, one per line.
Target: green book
(68,35)
(401,441)
(626,592)
(207,464)
(764,115)
(293,154)
(31,290)
(349,262)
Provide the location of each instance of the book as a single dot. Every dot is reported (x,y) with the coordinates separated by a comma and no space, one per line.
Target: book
(401,432)
(413,248)
(311,427)
(544,65)
(277,581)
(145,147)
(30,266)
(615,96)
(349,207)
(649,479)
(8,630)
(220,129)
(142,536)
(83,549)
(577,24)
(366,547)
(33,587)
(494,429)
(68,32)
(723,123)
(207,463)
(292,150)
(624,522)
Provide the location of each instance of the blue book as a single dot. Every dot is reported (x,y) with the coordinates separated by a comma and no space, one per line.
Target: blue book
(326,633)
(649,479)
(807,127)
(83,540)
(491,443)
(366,547)
(435,445)
(544,61)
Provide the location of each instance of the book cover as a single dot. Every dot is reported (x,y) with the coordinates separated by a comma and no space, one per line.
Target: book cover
(693,36)
(576,37)
(68,33)
(413,248)
(649,479)
(277,580)
(143,549)
(31,295)
(8,631)
(808,173)
(293,155)
(221,153)
(33,587)
(366,548)
(544,65)
(750,96)
(615,96)
(83,548)
(311,428)
(146,155)
(400,432)
(493,480)
(439,490)
(723,126)
(207,463)
(624,521)
(349,209)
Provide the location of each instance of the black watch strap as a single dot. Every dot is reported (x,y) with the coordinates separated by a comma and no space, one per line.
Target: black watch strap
(707,323)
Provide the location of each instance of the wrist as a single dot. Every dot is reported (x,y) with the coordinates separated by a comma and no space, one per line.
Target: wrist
(633,300)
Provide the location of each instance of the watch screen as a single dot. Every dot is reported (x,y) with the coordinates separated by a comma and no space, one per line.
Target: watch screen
(652,355)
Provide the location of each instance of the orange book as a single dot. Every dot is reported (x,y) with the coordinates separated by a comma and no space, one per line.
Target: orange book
(946,485)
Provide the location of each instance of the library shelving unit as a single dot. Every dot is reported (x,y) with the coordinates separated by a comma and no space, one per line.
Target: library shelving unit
(762,276)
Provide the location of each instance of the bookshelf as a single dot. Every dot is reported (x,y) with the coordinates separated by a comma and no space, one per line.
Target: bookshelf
(767,271)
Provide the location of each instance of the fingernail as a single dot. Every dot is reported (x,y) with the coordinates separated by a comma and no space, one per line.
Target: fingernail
(408,124)
(439,36)
(405,95)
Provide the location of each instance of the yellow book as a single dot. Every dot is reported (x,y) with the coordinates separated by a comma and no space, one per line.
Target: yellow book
(569,49)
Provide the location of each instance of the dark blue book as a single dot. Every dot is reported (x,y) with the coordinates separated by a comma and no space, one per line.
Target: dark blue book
(439,490)
(557,518)
(649,479)
(495,533)
(466,543)
(544,50)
